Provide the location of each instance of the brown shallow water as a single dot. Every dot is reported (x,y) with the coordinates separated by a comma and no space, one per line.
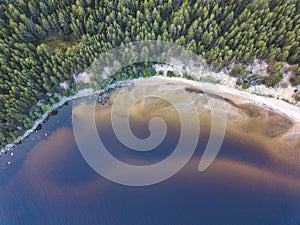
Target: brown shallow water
(255,178)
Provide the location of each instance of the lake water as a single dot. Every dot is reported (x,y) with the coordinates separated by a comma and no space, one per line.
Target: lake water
(48,182)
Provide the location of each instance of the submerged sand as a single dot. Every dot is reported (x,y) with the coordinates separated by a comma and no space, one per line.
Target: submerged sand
(269,124)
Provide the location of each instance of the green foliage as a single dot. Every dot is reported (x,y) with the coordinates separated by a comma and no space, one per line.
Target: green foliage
(149,72)
(130,72)
(209,80)
(239,82)
(275,75)
(245,84)
(45,108)
(188,77)
(43,43)
(239,70)
(293,68)
(297,96)
(272,80)
(295,79)
(60,42)
(171,74)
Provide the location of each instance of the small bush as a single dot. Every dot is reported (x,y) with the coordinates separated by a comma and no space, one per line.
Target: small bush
(297,96)
(188,77)
(295,80)
(275,75)
(171,74)
(239,83)
(272,80)
(293,68)
(245,84)
(239,70)
(149,72)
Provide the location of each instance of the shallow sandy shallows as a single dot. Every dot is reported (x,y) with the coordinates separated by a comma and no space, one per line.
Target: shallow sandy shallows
(269,124)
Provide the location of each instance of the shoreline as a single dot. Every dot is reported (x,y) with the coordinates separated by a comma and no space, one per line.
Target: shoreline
(80,94)
(271,125)
(239,97)
(62,101)
(242,98)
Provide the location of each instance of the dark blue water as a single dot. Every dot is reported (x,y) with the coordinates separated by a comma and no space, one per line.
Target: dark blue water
(48,182)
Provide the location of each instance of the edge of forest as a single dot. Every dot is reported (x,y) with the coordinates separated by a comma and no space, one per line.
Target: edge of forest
(241,97)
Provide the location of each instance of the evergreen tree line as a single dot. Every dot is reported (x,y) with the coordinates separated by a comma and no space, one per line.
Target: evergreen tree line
(42,43)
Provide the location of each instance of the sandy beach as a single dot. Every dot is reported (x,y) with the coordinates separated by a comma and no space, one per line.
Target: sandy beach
(276,118)
(271,124)
(242,98)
